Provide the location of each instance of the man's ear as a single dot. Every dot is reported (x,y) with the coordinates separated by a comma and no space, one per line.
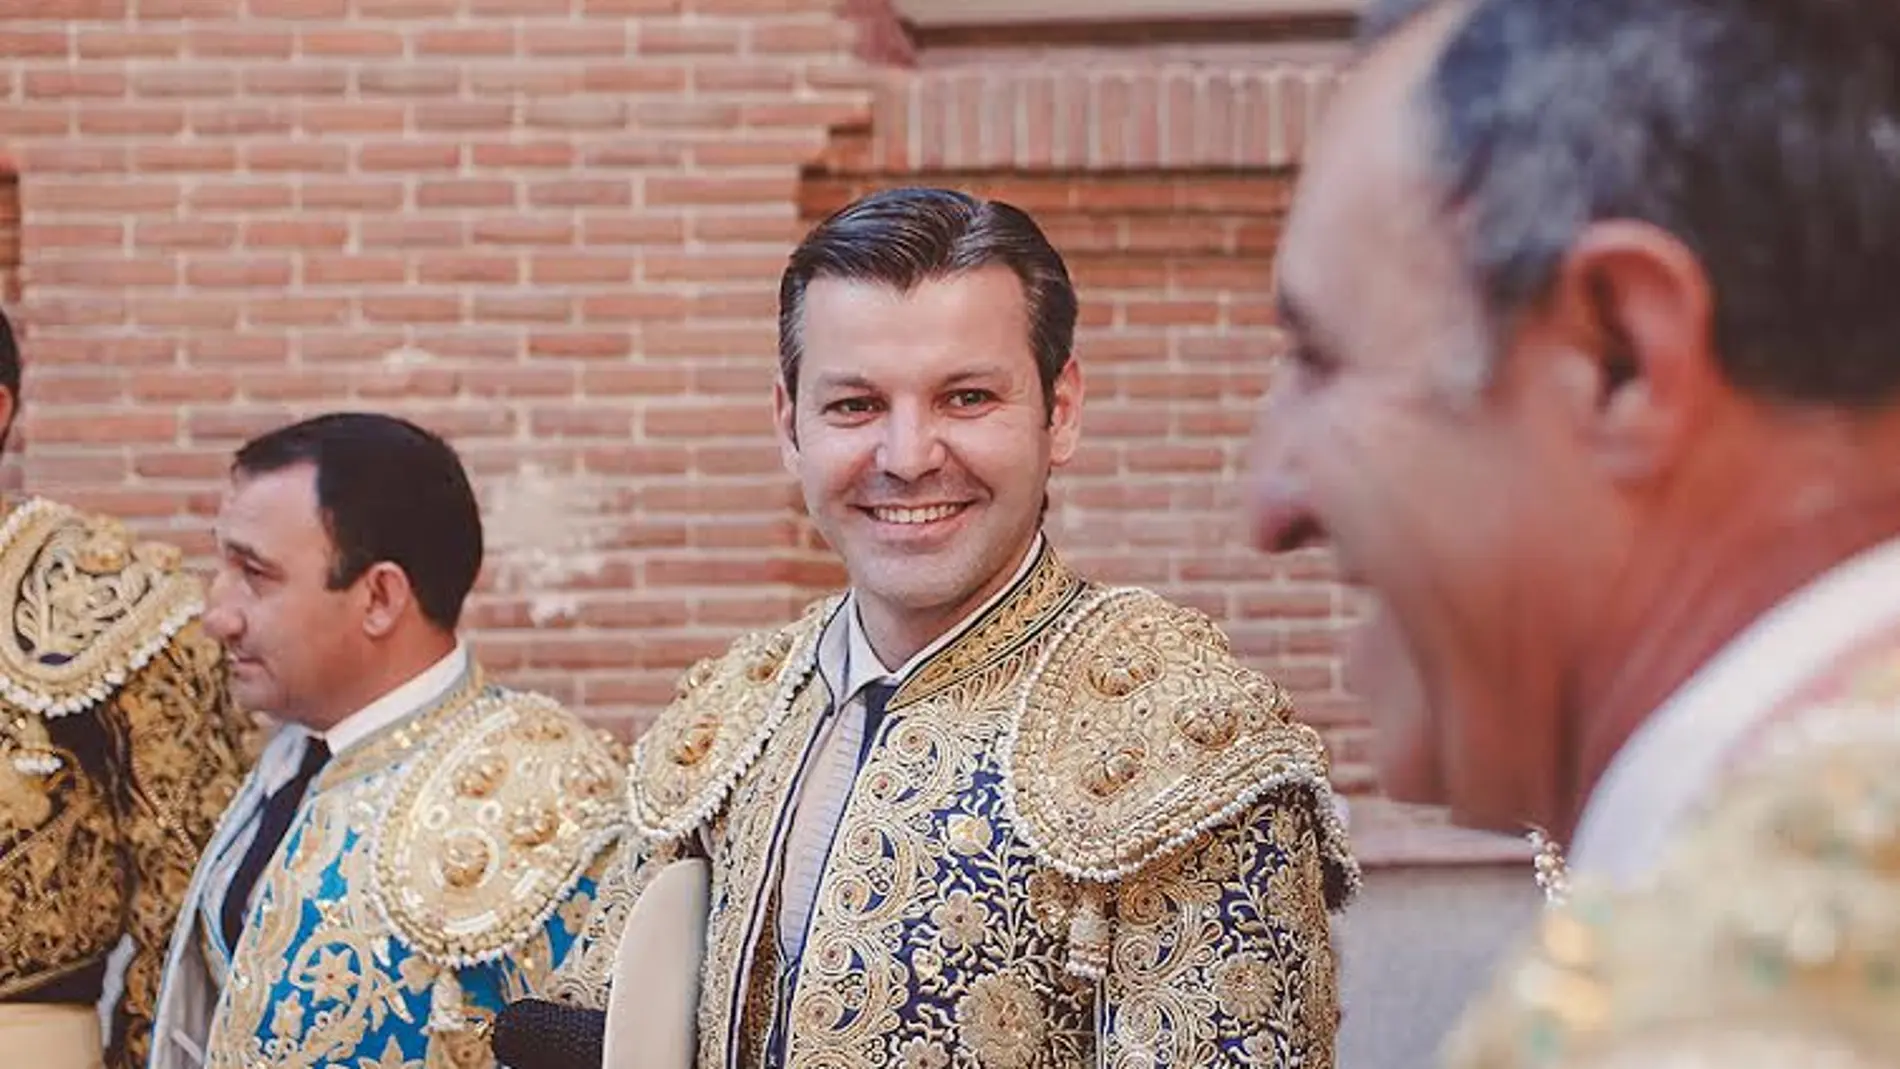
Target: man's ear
(785,422)
(390,596)
(1065,414)
(1635,311)
(9,408)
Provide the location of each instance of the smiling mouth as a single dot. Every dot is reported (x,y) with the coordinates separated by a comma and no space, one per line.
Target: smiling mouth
(914,516)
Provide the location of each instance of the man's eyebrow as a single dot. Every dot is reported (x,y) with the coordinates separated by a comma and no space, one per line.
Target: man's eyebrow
(249,554)
(843,380)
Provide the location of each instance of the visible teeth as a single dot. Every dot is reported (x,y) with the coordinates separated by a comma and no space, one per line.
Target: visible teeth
(923,515)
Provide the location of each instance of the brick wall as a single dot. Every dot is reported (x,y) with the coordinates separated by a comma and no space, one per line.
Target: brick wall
(552,229)
(548,228)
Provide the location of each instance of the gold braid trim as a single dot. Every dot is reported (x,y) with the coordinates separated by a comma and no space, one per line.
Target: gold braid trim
(1136,731)
(493,826)
(90,606)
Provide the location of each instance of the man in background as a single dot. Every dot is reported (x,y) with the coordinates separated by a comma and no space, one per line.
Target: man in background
(418,845)
(1595,382)
(119,747)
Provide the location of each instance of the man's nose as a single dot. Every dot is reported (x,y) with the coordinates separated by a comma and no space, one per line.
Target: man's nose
(912,446)
(221,620)
(1280,512)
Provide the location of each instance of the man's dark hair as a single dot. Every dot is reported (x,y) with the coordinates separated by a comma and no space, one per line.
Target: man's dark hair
(387,491)
(1763,134)
(903,237)
(9,373)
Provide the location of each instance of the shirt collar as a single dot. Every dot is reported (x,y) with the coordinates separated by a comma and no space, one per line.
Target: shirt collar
(849,664)
(1674,758)
(422,690)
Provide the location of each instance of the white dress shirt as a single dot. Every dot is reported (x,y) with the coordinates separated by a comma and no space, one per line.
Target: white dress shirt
(1676,757)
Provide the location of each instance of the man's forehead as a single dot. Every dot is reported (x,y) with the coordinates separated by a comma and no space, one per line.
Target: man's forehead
(1368,221)
(274,500)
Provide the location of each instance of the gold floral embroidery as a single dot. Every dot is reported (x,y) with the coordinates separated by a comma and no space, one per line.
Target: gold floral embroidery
(960,920)
(1001,1021)
(923,1054)
(1247,988)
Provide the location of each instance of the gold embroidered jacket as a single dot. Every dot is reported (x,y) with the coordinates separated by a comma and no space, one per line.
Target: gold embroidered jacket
(1769,938)
(436,870)
(118,750)
(1083,835)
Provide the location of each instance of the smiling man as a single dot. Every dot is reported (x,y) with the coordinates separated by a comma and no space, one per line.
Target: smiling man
(977,810)
(417,845)
(1596,381)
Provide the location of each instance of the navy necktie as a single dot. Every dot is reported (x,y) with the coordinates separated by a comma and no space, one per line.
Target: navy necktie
(876,697)
(279,808)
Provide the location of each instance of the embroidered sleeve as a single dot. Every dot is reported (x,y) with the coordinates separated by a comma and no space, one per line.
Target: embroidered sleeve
(492,830)
(587,971)
(185,752)
(1222,956)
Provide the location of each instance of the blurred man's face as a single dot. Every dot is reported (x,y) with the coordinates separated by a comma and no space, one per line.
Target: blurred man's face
(1449,478)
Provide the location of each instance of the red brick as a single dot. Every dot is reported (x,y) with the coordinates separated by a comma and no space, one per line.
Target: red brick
(159,83)
(238,272)
(576,343)
(75,159)
(35,121)
(580,193)
(34,44)
(537,307)
(236,42)
(187,312)
(248,348)
(557,230)
(438,117)
(636,77)
(144,43)
(466,193)
(297,234)
(297,311)
(415,233)
(69,83)
(136,120)
(467,267)
(123,428)
(350,270)
(529,154)
(240,196)
(688,421)
(104,272)
(203,159)
(409,156)
(412,308)
(190,465)
(72,236)
(362,43)
(221,119)
(560,268)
